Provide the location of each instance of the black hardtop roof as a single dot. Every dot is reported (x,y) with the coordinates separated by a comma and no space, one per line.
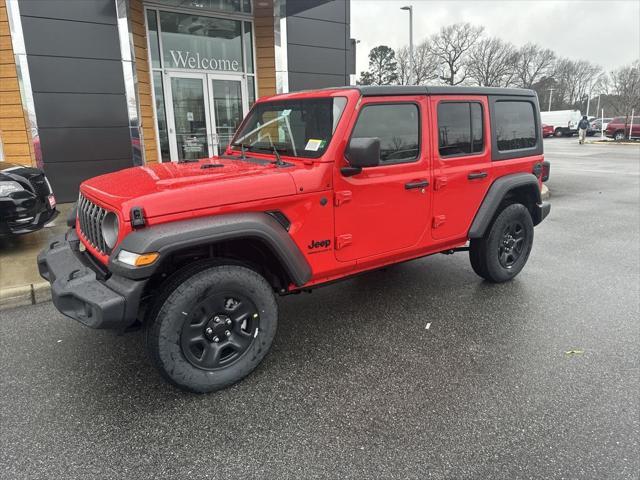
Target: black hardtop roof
(380,90)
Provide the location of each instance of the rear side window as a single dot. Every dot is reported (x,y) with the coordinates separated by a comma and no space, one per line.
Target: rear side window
(398,128)
(515,125)
(460,129)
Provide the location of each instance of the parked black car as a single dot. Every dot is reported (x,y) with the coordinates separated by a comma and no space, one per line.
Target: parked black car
(27,202)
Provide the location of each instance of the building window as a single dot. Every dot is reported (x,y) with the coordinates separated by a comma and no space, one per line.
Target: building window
(218,51)
(460,129)
(194,42)
(398,128)
(235,6)
(163,136)
(515,125)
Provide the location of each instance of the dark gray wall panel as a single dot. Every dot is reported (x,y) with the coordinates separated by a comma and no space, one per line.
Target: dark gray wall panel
(80,110)
(304,81)
(307,59)
(305,31)
(73,50)
(44,36)
(334,11)
(66,177)
(97,11)
(77,144)
(60,74)
(318,45)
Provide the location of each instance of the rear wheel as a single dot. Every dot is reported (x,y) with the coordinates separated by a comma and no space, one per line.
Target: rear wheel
(558,133)
(212,327)
(504,250)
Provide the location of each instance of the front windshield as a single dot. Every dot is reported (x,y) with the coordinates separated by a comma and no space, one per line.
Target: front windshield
(299,128)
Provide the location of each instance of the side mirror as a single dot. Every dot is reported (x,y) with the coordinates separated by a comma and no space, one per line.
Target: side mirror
(362,153)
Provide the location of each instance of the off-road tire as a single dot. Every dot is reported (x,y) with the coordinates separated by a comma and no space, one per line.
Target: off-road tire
(484,253)
(174,307)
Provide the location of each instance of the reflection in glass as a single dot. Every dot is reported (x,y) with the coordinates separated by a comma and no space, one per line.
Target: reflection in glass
(251,89)
(190,118)
(227,100)
(248,46)
(201,43)
(165,155)
(397,127)
(515,125)
(215,5)
(152,22)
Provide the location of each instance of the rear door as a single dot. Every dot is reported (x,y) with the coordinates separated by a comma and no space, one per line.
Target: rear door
(385,208)
(462,162)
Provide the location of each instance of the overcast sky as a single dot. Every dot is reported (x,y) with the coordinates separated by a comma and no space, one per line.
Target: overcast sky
(604,32)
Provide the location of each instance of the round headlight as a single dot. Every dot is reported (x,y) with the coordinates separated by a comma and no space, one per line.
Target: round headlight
(110,228)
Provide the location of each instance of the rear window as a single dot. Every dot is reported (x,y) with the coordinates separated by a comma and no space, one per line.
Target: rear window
(515,125)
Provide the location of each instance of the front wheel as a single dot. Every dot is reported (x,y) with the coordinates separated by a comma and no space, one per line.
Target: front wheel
(504,250)
(619,135)
(212,327)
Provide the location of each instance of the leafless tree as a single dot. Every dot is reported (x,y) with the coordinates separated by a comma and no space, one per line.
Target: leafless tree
(425,65)
(492,63)
(534,63)
(576,80)
(625,88)
(451,46)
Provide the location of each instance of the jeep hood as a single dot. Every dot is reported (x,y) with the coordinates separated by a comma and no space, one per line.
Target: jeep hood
(170,188)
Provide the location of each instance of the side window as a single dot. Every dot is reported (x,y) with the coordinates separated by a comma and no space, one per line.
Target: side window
(460,129)
(515,125)
(398,128)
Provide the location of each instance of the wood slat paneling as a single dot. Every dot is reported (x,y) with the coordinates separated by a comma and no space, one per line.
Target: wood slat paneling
(145,100)
(265,50)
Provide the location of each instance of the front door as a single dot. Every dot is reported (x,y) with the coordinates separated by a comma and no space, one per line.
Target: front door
(203,113)
(385,208)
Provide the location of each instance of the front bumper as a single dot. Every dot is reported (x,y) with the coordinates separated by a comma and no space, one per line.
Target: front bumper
(18,217)
(541,212)
(80,290)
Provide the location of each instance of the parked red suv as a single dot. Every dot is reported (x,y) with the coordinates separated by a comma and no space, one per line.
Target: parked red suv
(315,187)
(619,127)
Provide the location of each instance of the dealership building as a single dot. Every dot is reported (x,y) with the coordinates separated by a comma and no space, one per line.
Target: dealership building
(93,86)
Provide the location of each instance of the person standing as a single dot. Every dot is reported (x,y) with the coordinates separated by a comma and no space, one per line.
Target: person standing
(582,129)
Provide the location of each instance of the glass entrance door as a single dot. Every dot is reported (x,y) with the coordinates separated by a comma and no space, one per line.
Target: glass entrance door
(204,111)
(188,110)
(229,106)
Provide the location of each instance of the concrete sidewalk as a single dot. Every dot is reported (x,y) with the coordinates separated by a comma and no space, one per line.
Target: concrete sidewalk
(20,283)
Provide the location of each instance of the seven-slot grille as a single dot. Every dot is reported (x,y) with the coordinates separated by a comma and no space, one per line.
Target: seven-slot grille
(90,217)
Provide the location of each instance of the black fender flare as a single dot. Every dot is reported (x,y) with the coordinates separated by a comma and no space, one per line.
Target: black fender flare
(496,194)
(171,237)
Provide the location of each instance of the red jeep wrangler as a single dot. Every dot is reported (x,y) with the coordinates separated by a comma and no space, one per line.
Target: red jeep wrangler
(315,187)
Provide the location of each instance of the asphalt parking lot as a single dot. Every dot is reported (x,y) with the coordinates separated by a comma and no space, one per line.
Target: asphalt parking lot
(538,378)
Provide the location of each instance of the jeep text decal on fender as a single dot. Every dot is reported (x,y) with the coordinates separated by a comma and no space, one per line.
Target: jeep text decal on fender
(319,244)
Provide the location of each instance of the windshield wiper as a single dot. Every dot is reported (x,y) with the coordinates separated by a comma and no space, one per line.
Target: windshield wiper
(278,161)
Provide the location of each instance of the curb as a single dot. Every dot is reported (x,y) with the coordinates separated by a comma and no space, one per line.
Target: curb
(12,297)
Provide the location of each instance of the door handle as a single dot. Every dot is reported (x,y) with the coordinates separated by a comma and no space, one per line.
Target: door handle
(416,184)
(477,175)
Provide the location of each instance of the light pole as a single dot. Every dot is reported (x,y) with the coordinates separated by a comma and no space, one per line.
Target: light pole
(550,94)
(410,8)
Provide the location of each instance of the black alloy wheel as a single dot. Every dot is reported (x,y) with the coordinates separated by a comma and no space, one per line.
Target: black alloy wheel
(211,325)
(504,249)
(219,330)
(511,247)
